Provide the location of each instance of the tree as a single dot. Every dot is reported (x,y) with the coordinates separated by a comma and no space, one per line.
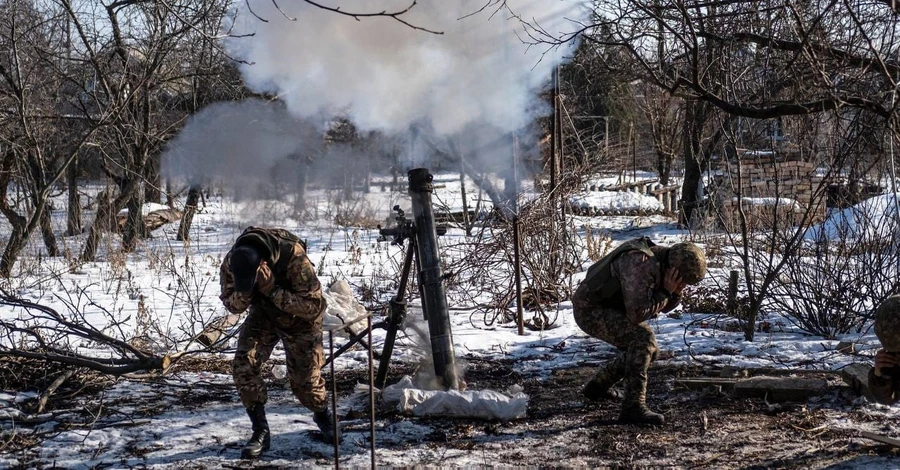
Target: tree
(41,137)
(750,59)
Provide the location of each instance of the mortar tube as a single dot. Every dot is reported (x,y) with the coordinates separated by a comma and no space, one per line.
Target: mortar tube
(434,298)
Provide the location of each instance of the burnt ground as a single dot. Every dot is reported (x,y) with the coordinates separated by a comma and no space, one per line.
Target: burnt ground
(704,429)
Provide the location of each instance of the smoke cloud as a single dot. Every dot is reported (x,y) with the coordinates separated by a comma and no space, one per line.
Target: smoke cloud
(467,89)
(387,76)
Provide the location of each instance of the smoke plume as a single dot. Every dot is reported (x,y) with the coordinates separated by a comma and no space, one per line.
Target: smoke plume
(386,76)
(467,89)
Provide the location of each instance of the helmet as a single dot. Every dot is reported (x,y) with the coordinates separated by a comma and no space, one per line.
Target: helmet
(689,260)
(887,323)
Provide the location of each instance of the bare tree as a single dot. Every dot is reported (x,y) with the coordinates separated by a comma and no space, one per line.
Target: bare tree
(42,137)
(750,59)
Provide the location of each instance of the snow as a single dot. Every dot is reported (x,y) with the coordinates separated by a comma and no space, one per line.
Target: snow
(789,203)
(873,219)
(177,285)
(605,201)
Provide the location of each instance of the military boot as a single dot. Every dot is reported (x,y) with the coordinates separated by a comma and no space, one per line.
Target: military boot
(260,440)
(634,404)
(600,387)
(640,414)
(325,420)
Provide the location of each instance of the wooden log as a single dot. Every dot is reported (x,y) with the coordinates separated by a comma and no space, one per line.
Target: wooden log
(216,328)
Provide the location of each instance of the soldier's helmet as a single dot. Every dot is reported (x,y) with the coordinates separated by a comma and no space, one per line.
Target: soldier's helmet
(690,261)
(887,323)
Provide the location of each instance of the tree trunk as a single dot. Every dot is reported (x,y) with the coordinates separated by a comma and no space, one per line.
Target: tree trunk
(135,228)
(47,234)
(664,166)
(694,121)
(190,207)
(73,215)
(14,246)
(153,177)
(106,217)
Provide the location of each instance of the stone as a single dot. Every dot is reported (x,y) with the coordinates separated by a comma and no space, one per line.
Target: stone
(856,375)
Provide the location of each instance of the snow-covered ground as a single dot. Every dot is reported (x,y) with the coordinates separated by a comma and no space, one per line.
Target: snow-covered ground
(168,290)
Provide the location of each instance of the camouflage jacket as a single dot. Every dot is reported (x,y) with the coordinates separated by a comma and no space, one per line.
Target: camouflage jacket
(297,289)
(885,389)
(641,279)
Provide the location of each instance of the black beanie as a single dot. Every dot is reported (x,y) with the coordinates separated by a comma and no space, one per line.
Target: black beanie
(244,265)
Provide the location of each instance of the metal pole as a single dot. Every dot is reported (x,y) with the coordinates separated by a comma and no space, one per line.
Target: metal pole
(337,453)
(371,396)
(434,298)
(520,316)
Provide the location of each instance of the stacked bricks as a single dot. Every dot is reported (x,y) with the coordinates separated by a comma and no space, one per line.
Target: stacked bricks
(765,178)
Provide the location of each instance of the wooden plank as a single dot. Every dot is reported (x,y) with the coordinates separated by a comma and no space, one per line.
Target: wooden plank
(880,438)
(700,383)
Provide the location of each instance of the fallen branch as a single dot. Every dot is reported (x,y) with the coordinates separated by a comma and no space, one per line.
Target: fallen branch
(45,396)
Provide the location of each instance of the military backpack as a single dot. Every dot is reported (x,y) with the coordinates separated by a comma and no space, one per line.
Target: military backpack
(599,274)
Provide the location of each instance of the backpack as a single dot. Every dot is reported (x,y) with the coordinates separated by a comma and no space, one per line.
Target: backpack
(600,273)
(286,242)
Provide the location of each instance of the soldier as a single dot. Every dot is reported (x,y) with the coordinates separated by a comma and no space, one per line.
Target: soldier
(620,293)
(884,378)
(268,271)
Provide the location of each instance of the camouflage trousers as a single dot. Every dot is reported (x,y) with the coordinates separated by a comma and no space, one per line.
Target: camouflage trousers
(302,340)
(636,343)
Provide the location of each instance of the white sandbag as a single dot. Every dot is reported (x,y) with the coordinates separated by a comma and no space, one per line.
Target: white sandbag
(343,308)
(478,404)
(392,394)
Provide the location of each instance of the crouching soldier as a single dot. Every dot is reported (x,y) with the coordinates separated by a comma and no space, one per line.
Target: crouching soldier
(620,293)
(884,378)
(267,270)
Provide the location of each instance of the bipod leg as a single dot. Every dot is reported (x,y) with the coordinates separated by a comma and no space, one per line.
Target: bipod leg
(397,316)
(358,338)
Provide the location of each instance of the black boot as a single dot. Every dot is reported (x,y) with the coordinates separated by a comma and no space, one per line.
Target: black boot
(595,390)
(260,440)
(325,420)
(601,386)
(640,414)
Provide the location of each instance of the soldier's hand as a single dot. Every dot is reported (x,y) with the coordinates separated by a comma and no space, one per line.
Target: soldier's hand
(885,360)
(265,280)
(672,281)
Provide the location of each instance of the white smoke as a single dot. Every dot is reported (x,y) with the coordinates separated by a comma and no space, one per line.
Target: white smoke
(241,142)
(473,86)
(387,76)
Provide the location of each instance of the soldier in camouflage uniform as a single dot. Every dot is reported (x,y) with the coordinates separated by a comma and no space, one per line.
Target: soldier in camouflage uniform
(620,293)
(268,271)
(884,378)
